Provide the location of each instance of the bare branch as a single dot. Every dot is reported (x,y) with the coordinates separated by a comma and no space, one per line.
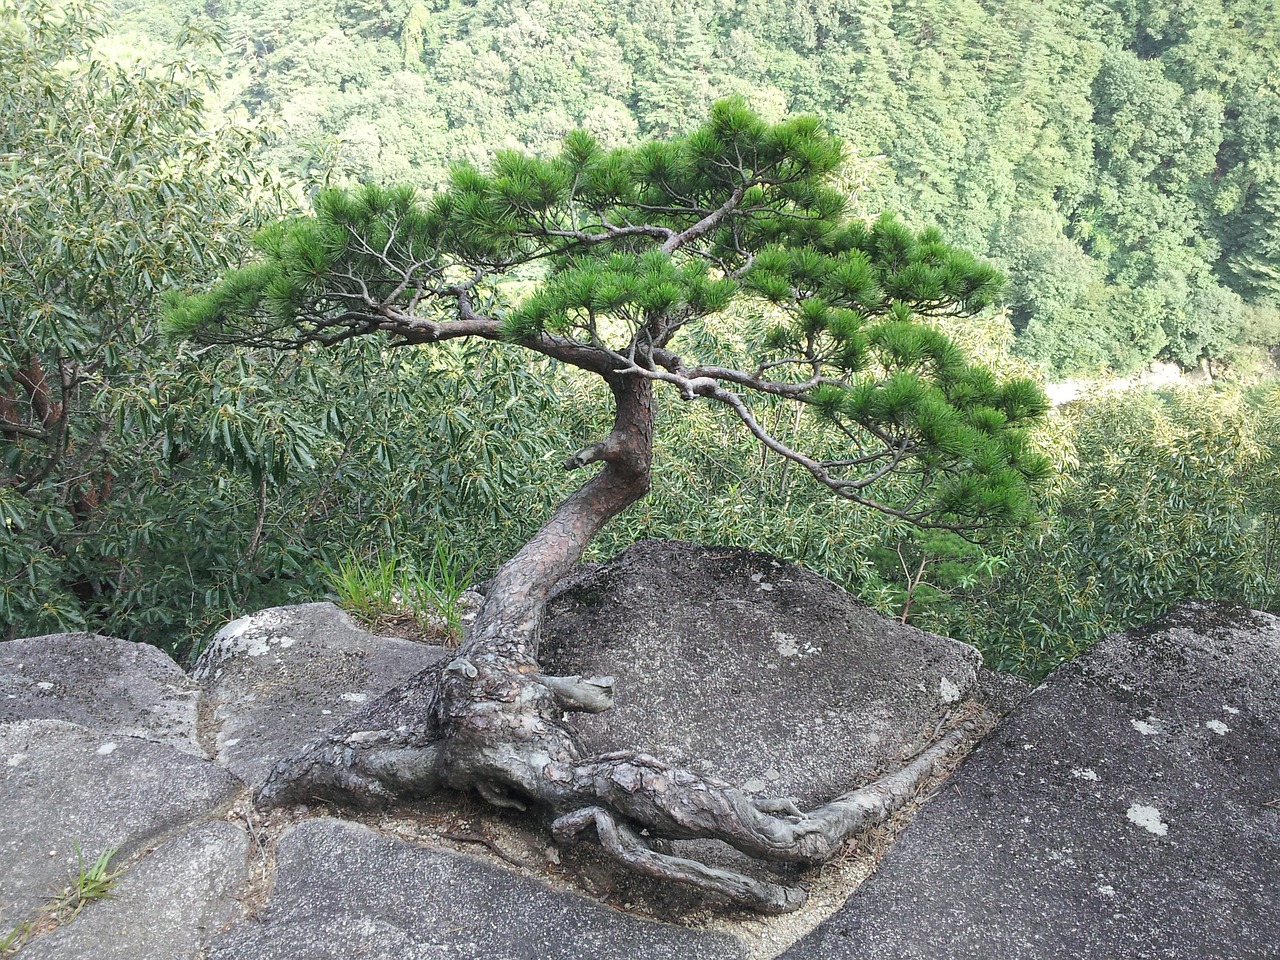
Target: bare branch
(260,517)
(692,387)
(22,430)
(610,232)
(675,365)
(707,223)
(591,454)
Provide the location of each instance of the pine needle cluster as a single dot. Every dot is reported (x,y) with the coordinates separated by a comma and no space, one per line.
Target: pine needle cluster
(602,258)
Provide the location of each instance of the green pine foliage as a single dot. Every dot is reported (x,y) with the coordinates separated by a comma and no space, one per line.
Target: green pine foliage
(1119,159)
(622,252)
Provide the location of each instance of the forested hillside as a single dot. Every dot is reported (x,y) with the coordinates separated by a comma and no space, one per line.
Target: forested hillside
(1119,160)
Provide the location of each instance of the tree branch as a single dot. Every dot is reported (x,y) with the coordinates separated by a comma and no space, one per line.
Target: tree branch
(260,519)
(21,430)
(610,233)
(706,386)
(709,222)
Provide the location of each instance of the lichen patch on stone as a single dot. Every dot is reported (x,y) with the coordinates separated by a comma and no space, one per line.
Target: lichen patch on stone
(1148,818)
(949,692)
(787,645)
(1144,728)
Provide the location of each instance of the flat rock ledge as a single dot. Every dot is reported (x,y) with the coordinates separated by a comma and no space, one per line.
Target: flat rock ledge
(343,890)
(751,669)
(1127,808)
(277,679)
(180,895)
(70,794)
(1130,808)
(102,683)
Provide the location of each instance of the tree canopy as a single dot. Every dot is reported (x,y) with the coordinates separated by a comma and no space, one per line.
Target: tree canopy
(608,260)
(1146,132)
(113,186)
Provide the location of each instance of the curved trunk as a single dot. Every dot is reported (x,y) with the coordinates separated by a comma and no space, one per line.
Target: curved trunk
(510,620)
(489,720)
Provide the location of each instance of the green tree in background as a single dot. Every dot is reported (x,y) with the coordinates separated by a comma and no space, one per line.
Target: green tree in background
(151,491)
(113,186)
(1055,288)
(1159,498)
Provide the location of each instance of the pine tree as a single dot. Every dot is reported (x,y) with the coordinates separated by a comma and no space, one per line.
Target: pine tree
(628,253)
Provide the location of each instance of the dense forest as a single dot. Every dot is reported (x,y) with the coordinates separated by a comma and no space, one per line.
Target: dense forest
(1118,161)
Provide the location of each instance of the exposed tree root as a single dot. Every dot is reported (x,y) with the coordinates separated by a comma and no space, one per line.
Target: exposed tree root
(630,849)
(493,724)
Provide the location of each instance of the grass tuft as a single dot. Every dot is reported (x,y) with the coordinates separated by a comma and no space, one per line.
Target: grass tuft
(387,592)
(92,881)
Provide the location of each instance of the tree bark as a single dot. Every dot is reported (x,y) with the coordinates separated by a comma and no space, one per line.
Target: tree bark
(488,720)
(510,620)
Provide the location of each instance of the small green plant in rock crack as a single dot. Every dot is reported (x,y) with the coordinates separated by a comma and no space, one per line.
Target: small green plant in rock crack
(91,881)
(15,939)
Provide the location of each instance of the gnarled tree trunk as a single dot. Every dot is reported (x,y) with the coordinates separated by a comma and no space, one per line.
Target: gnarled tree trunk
(489,720)
(510,619)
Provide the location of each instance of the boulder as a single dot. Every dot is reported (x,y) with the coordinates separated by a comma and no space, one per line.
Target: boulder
(166,907)
(117,687)
(751,669)
(342,890)
(277,679)
(1129,808)
(69,792)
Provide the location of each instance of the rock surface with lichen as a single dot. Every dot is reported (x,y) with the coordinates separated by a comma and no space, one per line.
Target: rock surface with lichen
(1130,807)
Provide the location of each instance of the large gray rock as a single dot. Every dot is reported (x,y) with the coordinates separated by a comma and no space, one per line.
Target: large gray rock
(279,678)
(167,907)
(751,669)
(63,785)
(1130,808)
(123,688)
(343,891)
